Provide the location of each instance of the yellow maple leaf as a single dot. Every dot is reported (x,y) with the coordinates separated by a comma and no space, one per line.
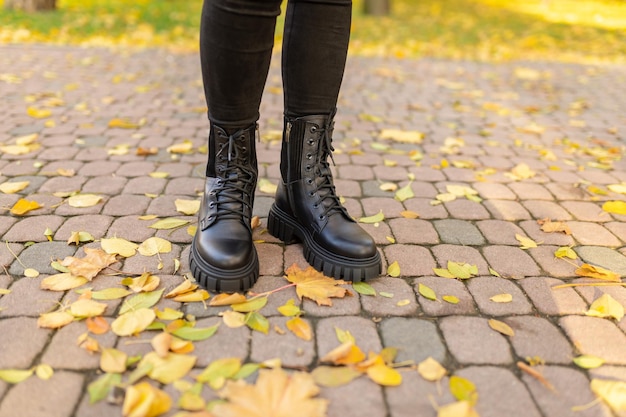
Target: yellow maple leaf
(88,267)
(315,285)
(275,393)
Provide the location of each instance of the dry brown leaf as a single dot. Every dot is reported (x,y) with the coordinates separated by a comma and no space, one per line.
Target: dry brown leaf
(535,374)
(549,226)
(227,299)
(275,393)
(597,272)
(88,267)
(314,285)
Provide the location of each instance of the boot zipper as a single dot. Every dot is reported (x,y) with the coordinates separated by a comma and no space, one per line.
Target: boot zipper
(287,131)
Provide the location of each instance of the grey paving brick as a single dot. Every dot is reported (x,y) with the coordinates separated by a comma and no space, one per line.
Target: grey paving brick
(21,342)
(571,389)
(442,287)
(500,393)
(415,339)
(471,341)
(126,205)
(379,306)
(590,335)
(414,231)
(536,336)
(32,229)
(105,185)
(363,330)
(550,301)
(510,262)
(546,209)
(27,299)
(483,288)
(131,228)
(499,232)
(458,232)
(413,260)
(359,398)
(62,392)
(270,258)
(97,225)
(39,256)
(605,257)
(507,210)
(292,351)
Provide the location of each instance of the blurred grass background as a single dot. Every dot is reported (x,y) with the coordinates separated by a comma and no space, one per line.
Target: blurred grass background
(589,31)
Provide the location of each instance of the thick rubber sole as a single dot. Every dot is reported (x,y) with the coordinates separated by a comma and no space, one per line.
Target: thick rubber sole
(223,280)
(284,227)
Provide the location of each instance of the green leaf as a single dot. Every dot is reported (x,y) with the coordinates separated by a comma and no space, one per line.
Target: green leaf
(427,292)
(565,252)
(195,334)
(257,322)
(463,389)
(218,371)
(385,294)
(107,294)
(344,336)
(246,370)
(444,273)
(404,193)
(142,300)
(99,389)
(376,218)
(168,223)
(334,376)
(450,299)
(588,361)
(14,376)
(462,270)
(364,288)
(254,304)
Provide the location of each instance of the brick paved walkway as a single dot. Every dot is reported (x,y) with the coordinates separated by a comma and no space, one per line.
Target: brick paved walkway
(566,122)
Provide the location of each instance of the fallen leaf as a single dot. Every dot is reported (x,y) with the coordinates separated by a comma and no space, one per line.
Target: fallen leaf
(289,309)
(113,360)
(188,207)
(62,282)
(23,206)
(403,303)
(15,376)
(502,298)
(100,388)
(172,367)
(388,186)
(38,113)
(525,242)
(616,207)
(224,299)
(427,292)
(54,320)
(606,307)
(195,334)
(408,214)
(184,147)
(141,301)
(384,375)
(501,327)
(219,371)
(462,270)
(119,246)
(291,395)
(314,285)
(146,282)
(402,136)
(233,320)
(463,389)
(122,123)
(184,287)
(254,304)
(404,193)
(266,186)
(97,325)
(84,200)
(364,288)
(521,172)
(334,376)
(84,308)
(80,237)
(613,393)
(450,299)
(257,322)
(345,354)
(592,271)
(443,273)
(565,252)
(31,273)
(133,322)
(154,245)
(457,409)
(44,372)
(618,188)
(549,226)
(393,270)
(95,260)
(588,361)
(300,328)
(13,187)
(431,370)
(376,218)
(145,400)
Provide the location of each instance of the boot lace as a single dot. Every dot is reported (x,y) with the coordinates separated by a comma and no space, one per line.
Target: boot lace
(235,181)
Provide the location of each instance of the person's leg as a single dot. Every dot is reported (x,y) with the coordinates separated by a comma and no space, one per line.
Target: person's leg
(236,40)
(307,207)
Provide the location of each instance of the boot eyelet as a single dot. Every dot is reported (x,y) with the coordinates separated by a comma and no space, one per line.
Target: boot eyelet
(309,181)
(311,194)
(321,217)
(311,142)
(212,204)
(313,129)
(212,192)
(307,168)
(316,205)
(309,156)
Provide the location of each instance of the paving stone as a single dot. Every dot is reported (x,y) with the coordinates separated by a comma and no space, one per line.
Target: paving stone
(550,264)
(185,185)
(360,397)
(32,229)
(349,305)
(63,352)
(604,257)
(21,342)
(131,228)
(99,168)
(590,335)
(483,288)
(499,232)
(466,210)
(609,372)
(546,210)
(456,253)
(403,401)
(379,306)
(445,286)
(590,234)
(494,191)
(571,390)
(510,262)
(39,255)
(458,232)
(426,210)
(61,392)
(471,341)
(550,301)
(415,339)
(590,294)
(105,185)
(530,191)
(533,231)
(618,229)
(145,185)
(97,225)
(126,205)
(380,232)
(373,205)
(292,351)
(270,259)
(500,393)
(536,336)
(136,169)
(293,255)
(27,299)
(586,211)
(415,231)
(363,330)
(507,210)
(565,190)
(413,260)
(355,172)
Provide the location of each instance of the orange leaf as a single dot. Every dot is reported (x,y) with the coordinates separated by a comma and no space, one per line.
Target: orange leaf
(549,226)
(300,328)
(23,206)
(314,285)
(592,271)
(94,261)
(97,325)
(345,354)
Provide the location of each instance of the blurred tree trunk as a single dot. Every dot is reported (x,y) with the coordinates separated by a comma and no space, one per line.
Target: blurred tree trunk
(30,5)
(377,7)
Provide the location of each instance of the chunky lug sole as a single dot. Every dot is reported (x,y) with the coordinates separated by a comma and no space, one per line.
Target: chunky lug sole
(223,280)
(284,227)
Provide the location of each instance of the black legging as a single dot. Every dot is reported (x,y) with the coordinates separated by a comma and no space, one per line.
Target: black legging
(236,40)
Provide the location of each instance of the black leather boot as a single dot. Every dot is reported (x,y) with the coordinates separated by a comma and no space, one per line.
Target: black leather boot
(223,257)
(307,208)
